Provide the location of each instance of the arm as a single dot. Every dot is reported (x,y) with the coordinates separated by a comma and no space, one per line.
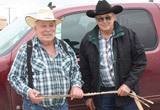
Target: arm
(138,58)
(86,76)
(75,76)
(85,68)
(139,61)
(18,75)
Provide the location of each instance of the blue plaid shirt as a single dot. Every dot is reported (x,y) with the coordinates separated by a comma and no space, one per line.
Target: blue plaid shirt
(51,75)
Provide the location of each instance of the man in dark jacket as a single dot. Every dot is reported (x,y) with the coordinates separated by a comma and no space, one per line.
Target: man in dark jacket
(111,58)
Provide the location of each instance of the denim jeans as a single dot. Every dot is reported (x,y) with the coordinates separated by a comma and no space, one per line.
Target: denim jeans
(107,102)
(27,105)
(131,106)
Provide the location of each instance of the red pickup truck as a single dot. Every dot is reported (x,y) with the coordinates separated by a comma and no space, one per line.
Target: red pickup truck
(143,18)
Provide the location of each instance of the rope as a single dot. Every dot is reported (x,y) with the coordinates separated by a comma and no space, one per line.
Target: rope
(138,99)
(153,96)
(85,95)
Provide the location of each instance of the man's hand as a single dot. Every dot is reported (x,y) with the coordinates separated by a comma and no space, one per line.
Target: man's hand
(123,90)
(33,95)
(90,104)
(76,92)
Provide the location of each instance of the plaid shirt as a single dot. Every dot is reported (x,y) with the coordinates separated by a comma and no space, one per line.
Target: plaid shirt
(106,61)
(51,75)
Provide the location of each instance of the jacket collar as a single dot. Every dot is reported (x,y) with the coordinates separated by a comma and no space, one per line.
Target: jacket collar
(118,30)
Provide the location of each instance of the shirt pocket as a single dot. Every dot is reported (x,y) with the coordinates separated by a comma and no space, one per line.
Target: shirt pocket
(66,66)
(38,66)
(39,72)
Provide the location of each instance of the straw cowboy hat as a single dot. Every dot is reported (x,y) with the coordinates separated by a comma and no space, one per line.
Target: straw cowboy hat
(103,7)
(42,14)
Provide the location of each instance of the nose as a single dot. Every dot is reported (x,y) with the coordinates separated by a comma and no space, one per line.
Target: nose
(48,29)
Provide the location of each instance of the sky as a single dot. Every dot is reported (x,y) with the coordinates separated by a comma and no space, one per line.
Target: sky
(11,9)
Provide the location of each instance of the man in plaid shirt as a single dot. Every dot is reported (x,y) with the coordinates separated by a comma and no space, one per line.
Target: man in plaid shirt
(54,71)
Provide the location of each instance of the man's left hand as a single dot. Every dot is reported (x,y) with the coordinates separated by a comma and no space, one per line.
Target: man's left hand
(123,90)
(76,92)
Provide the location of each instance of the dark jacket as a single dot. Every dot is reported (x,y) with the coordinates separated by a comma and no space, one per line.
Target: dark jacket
(129,60)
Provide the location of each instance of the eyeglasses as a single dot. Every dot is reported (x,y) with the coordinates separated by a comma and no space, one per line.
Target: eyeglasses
(107,18)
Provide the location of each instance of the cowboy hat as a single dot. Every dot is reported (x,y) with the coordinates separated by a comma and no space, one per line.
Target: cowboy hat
(43,15)
(103,7)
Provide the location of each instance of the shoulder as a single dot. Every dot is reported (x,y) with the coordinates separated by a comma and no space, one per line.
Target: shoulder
(21,54)
(65,46)
(89,34)
(22,49)
(123,29)
(131,36)
(63,43)
(69,48)
(128,31)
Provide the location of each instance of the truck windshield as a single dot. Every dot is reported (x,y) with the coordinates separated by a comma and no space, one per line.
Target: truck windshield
(11,34)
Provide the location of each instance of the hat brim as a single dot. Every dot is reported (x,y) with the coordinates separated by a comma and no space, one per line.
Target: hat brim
(115,9)
(31,21)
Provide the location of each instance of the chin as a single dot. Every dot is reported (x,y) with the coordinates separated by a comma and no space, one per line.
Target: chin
(48,38)
(106,30)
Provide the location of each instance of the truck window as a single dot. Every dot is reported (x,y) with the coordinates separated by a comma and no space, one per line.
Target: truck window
(141,22)
(75,26)
(12,34)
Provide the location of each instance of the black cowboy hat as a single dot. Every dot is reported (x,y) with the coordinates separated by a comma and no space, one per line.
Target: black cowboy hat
(103,7)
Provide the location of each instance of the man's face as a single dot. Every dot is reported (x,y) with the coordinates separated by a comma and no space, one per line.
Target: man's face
(45,30)
(106,22)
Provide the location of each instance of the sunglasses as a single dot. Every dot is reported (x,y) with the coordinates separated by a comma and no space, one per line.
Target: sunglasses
(107,18)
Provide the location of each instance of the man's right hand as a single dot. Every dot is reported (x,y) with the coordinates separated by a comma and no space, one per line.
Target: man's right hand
(90,104)
(33,95)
